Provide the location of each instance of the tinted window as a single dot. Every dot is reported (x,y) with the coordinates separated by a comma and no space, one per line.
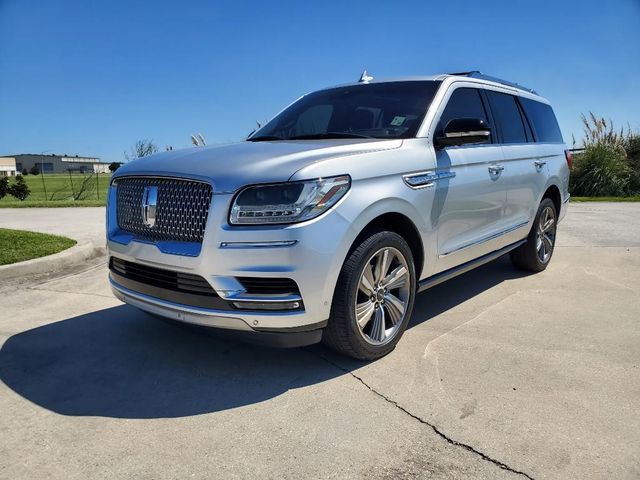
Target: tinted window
(378,110)
(507,115)
(463,103)
(543,121)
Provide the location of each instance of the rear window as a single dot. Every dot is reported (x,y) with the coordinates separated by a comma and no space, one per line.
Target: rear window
(542,120)
(507,115)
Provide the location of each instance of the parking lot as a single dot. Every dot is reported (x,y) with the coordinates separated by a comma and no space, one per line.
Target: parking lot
(500,375)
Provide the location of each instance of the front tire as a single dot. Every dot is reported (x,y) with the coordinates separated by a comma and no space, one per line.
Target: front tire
(373,300)
(535,254)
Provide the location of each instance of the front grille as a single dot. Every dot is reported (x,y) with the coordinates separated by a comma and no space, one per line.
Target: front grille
(166,279)
(269,285)
(181,211)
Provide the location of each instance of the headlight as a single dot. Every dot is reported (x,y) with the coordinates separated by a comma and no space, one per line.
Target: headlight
(289,202)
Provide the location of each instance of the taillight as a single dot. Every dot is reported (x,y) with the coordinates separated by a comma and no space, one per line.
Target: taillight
(569,156)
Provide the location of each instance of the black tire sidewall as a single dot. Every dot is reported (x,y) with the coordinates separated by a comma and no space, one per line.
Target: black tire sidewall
(344,298)
(531,240)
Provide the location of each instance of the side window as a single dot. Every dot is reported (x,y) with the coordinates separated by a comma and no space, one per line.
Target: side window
(463,103)
(507,115)
(543,121)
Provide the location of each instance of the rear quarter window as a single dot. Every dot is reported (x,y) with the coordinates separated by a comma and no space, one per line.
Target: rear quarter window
(543,121)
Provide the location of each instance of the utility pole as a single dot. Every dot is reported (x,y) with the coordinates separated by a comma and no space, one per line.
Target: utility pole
(73,192)
(44,186)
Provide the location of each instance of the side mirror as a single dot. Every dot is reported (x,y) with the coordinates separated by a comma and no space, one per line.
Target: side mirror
(462,131)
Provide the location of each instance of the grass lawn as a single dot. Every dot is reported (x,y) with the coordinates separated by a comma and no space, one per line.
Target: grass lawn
(634,198)
(18,245)
(60,189)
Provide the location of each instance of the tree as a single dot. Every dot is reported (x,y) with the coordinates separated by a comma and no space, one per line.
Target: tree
(4,186)
(113,166)
(34,170)
(20,189)
(141,148)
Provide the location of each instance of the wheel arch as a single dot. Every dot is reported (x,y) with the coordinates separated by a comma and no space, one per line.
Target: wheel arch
(553,192)
(400,224)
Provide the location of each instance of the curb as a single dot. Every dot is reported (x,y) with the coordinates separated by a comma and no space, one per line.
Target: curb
(70,257)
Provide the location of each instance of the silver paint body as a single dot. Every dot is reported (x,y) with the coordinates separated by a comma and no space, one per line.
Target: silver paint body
(466,207)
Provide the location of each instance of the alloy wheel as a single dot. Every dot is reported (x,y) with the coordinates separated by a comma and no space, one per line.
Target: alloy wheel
(383,295)
(546,234)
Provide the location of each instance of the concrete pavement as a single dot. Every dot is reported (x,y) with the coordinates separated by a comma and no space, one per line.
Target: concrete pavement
(85,225)
(500,375)
(81,224)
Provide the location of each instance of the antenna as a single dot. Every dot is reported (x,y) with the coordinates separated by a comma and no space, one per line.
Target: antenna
(365,77)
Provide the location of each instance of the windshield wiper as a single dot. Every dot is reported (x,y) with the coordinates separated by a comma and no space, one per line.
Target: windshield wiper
(312,136)
(264,138)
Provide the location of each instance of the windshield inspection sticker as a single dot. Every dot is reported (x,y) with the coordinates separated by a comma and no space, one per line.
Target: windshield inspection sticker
(397,121)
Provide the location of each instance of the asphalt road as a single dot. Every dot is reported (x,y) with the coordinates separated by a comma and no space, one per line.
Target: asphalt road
(500,375)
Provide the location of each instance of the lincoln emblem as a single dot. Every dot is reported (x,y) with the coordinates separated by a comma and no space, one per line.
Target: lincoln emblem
(149,204)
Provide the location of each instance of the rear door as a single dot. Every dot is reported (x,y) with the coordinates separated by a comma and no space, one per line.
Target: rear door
(525,172)
(470,194)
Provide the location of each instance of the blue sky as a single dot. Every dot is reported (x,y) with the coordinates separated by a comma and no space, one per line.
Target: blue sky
(91,78)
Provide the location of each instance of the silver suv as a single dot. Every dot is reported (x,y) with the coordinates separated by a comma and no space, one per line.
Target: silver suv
(328,220)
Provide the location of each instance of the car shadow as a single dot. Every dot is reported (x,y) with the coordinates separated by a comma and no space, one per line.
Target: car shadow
(447,295)
(121,363)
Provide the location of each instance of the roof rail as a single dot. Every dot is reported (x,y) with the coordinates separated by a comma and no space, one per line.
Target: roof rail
(478,74)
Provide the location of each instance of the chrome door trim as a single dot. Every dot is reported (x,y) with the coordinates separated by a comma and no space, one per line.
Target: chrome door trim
(426,179)
(485,239)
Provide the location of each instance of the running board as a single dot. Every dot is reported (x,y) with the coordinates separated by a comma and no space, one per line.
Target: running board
(465,267)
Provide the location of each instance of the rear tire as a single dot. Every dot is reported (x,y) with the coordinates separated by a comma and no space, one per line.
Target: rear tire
(373,299)
(535,254)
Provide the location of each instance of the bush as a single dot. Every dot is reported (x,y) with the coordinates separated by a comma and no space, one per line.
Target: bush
(34,170)
(602,171)
(113,166)
(20,189)
(610,163)
(25,172)
(4,187)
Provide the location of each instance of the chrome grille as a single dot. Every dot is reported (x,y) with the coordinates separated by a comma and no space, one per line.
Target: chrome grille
(181,212)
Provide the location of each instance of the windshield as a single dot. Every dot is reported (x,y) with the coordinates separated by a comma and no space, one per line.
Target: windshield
(383,110)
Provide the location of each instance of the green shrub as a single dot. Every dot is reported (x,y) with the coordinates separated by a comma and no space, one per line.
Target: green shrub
(4,186)
(602,170)
(20,189)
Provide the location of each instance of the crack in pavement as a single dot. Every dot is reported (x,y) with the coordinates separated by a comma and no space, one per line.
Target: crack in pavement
(449,440)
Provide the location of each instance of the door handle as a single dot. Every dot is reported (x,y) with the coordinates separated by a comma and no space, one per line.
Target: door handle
(495,169)
(539,164)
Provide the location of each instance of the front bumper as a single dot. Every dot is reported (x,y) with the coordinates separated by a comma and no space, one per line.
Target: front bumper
(220,319)
(310,253)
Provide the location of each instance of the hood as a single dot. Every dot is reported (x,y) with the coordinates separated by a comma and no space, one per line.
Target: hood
(230,167)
